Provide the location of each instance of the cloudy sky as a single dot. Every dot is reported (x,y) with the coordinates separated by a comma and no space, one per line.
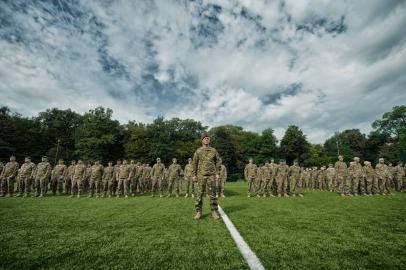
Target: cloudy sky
(322,65)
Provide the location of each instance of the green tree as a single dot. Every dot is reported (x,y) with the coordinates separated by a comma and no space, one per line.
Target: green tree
(294,145)
(268,146)
(351,143)
(99,136)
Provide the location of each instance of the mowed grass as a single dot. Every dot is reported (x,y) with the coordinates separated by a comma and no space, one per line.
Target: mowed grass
(132,233)
(321,230)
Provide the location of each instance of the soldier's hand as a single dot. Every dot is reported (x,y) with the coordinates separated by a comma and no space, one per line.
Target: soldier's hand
(194,179)
(217,177)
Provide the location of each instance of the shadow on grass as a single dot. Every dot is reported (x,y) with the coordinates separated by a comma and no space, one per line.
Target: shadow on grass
(234,208)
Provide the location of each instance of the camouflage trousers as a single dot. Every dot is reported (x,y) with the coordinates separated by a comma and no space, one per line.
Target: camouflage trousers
(293,185)
(68,185)
(123,187)
(344,185)
(202,183)
(76,186)
(25,185)
(7,186)
(41,186)
(136,185)
(330,184)
(95,186)
(220,186)
(173,181)
(369,185)
(156,185)
(251,183)
(266,187)
(398,183)
(383,185)
(190,185)
(108,187)
(282,185)
(56,185)
(358,185)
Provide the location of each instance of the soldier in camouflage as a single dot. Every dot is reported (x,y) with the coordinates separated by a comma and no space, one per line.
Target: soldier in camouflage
(206,167)
(383,174)
(123,176)
(69,176)
(250,174)
(330,180)
(42,174)
(25,176)
(295,187)
(399,175)
(78,176)
(95,183)
(281,177)
(58,177)
(157,175)
(341,176)
(189,179)
(370,178)
(174,174)
(107,179)
(221,181)
(357,176)
(8,176)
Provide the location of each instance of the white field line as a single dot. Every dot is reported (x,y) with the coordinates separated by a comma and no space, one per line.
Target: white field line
(253,262)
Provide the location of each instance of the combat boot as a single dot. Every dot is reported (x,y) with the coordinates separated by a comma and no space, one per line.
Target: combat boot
(187,195)
(223,196)
(215,214)
(198,215)
(193,195)
(300,195)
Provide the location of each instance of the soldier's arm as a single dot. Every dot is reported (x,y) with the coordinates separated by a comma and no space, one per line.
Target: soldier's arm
(15,170)
(225,173)
(246,172)
(218,165)
(195,163)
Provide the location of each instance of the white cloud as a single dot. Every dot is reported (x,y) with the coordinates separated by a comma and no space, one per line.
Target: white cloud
(322,65)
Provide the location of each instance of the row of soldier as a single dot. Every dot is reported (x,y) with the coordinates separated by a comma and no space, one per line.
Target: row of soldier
(281,180)
(121,179)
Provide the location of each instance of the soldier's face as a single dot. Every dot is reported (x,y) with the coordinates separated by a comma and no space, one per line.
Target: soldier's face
(158,161)
(118,162)
(250,161)
(26,160)
(381,161)
(80,162)
(43,159)
(190,162)
(61,162)
(110,164)
(174,161)
(206,140)
(340,158)
(12,158)
(124,162)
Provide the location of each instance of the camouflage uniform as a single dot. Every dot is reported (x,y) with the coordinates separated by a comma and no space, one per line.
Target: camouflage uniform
(206,165)
(43,172)
(95,183)
(78,176)
(370,179)
(58,177)
(189,179)
(69,177)
(157,175)
(250,174)
(123,176)
(295,186)
(25,176)
(7,177)
(330,183)
(267,176)
(341,177)
(315,177)
(107,179)
(221,181)
(399,175)
(146,178)
(383,174)
(174,173)
(281,177)
(321,178)
(357,176)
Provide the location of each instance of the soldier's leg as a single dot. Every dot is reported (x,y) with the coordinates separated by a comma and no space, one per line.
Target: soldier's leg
(222,184)
(299,187)
(292,186)
(27,186)
(388,186)
(73,187)
(212,193)
(170,186)
(200,190)
(381,183)
(355,185)
(177,186)
(362,185)
(279,189)
(285,186)
(126,187)
(187,180)
(249,187)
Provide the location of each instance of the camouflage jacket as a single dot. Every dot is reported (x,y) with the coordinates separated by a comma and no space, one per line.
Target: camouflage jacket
(206,161)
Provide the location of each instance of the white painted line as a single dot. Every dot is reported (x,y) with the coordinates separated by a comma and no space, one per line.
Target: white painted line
(253,262)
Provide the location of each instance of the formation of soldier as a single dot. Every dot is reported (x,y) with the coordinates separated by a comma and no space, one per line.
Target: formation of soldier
(282,180)
(122,179)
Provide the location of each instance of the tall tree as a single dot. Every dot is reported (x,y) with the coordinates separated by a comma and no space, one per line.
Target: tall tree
(350,143)
(98,137)
(268,148)
(294,145)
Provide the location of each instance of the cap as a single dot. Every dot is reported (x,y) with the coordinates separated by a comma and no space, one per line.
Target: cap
(204,135)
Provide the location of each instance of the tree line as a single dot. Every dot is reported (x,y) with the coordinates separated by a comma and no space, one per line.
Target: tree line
(95,135)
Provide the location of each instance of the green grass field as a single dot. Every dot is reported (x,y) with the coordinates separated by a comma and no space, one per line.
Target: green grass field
(320,231)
